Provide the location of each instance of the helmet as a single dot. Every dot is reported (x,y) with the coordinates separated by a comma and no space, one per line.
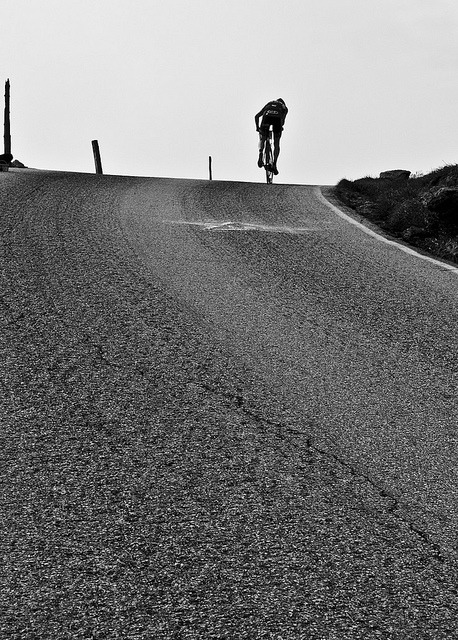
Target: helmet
(281,100)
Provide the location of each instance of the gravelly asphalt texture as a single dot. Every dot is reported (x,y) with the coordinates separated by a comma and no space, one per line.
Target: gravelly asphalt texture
(217,431)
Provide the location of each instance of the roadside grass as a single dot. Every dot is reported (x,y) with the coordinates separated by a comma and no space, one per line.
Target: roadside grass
(400,208)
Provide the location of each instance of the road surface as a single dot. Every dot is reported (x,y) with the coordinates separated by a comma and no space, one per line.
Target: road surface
(227,413)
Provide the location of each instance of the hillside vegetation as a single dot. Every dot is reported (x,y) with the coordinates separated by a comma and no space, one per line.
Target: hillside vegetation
(421,210)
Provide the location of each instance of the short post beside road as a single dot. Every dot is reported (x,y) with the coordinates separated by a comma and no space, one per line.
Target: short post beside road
(7,131)
(97,159)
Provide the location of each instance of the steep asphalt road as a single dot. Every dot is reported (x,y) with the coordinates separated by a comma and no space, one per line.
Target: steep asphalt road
(226,413)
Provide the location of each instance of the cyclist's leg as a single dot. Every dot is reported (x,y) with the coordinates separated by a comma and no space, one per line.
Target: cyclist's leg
(262,142)
(277,136)
(276,149)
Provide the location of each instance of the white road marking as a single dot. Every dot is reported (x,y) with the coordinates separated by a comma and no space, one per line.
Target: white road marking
(217,225)
(381,238)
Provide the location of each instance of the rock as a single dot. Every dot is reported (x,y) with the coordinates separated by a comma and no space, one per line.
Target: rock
(395,174)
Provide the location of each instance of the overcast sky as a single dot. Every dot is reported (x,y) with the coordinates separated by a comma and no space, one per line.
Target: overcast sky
(162,84)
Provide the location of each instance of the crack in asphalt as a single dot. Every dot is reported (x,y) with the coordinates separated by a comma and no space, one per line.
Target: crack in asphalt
(240,402)
(383,493)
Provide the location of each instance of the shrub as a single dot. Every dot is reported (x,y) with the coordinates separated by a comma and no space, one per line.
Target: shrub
(399,206)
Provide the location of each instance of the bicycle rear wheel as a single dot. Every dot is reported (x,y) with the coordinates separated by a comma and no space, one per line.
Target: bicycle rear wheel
(268,161)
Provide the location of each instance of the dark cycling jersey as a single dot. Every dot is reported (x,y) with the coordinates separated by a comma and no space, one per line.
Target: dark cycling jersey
(275,109)
(274,113)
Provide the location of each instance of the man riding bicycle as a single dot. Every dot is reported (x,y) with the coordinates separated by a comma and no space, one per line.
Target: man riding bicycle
(274,113)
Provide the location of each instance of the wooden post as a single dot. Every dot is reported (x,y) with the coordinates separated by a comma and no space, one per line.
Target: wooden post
(210,167)
(97,159)
(7,131)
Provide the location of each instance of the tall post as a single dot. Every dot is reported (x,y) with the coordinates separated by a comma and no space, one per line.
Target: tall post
(210,167)
(97,159)
(7,131)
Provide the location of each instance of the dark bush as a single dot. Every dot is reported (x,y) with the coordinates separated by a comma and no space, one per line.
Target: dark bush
(400,207)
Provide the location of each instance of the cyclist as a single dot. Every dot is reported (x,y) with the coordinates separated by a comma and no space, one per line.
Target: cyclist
(274,113)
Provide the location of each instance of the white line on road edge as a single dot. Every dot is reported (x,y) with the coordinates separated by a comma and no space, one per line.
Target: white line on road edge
(377,236)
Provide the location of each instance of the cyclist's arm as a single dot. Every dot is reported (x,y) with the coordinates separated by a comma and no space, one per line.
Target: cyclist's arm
(258,115)
(284,116)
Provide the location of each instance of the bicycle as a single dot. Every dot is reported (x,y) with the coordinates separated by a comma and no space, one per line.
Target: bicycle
(268,156)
